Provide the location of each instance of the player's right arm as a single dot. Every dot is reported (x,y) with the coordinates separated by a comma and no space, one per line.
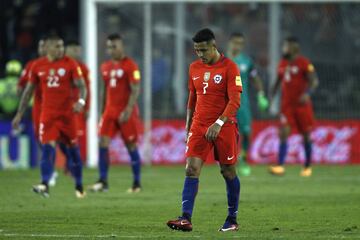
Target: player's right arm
(190,106)
(105,76)
(24,102)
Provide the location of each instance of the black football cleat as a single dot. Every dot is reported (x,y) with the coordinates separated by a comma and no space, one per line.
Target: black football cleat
(42,190)
(229,225)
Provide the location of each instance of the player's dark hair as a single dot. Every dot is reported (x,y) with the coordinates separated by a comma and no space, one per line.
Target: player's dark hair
(52,37)
(292,39)
(236,34)
(72,42)
(204,35)
(114,36)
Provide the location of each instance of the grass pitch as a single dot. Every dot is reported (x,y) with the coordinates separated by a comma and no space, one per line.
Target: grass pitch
(325,206)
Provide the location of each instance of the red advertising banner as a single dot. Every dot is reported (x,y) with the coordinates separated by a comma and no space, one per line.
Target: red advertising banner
(334,142)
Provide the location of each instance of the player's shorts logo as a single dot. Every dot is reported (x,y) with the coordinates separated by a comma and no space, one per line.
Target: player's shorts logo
(206,76)
(61,72)
(217,78)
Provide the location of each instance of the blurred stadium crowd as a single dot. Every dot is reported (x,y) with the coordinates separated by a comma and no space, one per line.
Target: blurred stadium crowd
(328,33)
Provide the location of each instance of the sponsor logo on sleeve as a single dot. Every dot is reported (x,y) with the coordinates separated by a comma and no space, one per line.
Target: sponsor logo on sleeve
(137,75)
(79,71)
(238,81)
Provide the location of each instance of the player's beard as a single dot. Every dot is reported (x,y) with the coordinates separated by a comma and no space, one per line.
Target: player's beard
(286,55)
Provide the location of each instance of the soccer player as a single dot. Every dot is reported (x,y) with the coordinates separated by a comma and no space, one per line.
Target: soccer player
(121,76)
(248,73)
(23,80)
(214,97)
(73,50)
(298,81)
(56,74)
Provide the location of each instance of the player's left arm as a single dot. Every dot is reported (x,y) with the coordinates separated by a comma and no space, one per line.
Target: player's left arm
(313,82)
(234,89)
(134,79)
(79,83)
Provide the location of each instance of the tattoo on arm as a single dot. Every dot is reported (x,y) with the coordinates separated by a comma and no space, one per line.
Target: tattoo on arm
(80,84)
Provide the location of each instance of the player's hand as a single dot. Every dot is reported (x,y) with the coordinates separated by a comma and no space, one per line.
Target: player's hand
(305,98)
(263,103)
(16,122)
(78,107)
(125,115)
(212,132)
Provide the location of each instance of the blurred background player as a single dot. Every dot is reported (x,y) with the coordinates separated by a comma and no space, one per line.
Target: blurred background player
(248,73)
(73,50)
(214,97)
(8,89)
(56,74)
(121,76)
(298,81)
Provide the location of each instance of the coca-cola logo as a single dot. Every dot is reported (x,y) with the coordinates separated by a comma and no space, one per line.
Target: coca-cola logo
(330,145)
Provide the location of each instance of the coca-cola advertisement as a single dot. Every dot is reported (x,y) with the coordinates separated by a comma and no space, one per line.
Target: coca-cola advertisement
(334,142)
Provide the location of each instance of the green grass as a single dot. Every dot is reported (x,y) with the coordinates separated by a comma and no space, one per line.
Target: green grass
(325,206)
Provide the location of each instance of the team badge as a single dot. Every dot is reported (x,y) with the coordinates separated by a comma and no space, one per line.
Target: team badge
(119,73)
(112,73)
(52,72)
(206,76)
(217,78)
(61,72)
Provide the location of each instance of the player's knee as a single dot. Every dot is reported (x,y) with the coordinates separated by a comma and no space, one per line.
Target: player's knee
(192,171)
(283,134)
(131,146)
(228,172)
(104,142)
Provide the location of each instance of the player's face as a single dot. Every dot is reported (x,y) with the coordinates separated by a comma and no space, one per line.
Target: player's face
(206,51)
(115,48)
(73,51)
(289,49)
(55,48)
(236,45)
(41,48)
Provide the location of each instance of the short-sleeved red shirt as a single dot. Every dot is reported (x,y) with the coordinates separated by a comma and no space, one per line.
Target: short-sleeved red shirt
(25,78)
(215,86)
(118,75)
(294,82)
(56,80)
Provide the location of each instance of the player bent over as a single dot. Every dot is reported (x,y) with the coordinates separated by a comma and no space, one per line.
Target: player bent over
(214,97)
(56,75)
(298,81)
(121,76)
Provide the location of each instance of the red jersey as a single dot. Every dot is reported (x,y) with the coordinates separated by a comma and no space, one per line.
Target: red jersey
(56,81)
(217,90)
(118,75)
(294,82)
(85,73)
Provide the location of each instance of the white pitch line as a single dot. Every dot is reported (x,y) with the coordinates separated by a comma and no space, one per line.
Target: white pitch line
(11,235)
